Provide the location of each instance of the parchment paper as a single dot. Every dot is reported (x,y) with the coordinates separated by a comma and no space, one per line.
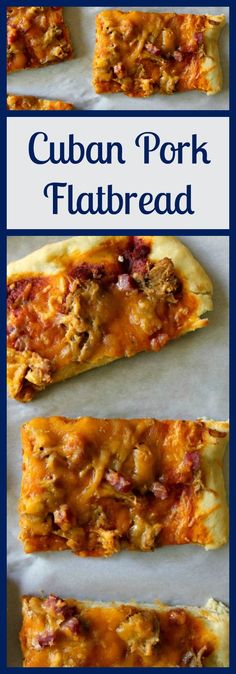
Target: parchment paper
(187,379)
(71,81)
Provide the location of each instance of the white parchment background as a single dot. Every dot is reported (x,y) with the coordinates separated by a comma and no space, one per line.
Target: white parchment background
(189,378)
(71,80)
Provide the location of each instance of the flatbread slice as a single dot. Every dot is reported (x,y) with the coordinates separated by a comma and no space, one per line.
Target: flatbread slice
(88,300)
(36,36)
(15,102)
(99,486)
(69,633)
(142,53)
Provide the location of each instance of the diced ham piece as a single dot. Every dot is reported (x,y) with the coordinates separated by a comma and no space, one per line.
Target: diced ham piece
(73,625)
(177,616)
(59,607)
(152,49)
(199,38)
(158,341)
(118,481)
(139,267)
(135,257)
(193,458)
(52,602)
(125,282)
(141,250)
(87,272)
(64,517)
(178,56)
(94,272)
(159,490)
(119,69)
(44,639)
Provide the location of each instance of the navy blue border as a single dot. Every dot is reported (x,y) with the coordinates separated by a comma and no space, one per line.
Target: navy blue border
(3,466)
(69,232)
(118,113)
(114,232)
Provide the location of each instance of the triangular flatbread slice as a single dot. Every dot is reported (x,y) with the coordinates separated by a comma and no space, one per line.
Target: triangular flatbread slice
(88,300)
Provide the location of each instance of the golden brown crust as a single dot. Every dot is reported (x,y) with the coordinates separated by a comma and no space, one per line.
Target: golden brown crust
(97,486)
(86,301)
(71,633)
(140,53)
(36,36)
(15,102)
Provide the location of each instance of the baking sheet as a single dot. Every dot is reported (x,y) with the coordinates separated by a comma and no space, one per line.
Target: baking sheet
(189,378)
(71,81)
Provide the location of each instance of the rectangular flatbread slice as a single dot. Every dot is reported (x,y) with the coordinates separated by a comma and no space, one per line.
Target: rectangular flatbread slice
(15,102)
(70,633)
(36,36)
(86,301)
(142,53)
(97,486)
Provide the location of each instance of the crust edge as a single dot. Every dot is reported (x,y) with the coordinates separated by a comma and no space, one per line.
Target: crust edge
(211,67)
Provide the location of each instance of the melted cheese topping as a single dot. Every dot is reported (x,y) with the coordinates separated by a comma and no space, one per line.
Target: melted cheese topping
(58,633)
(96,486)
(93,312)
(36,36)
(140,53)
(31,103)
